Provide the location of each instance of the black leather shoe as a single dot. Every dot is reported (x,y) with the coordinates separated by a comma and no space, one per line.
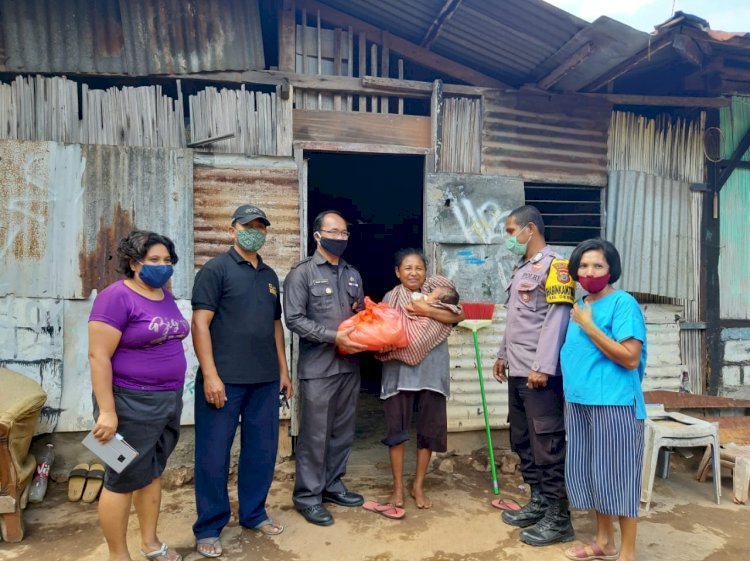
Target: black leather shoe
(555,527)
(317,514)
(530,514)
(345,498)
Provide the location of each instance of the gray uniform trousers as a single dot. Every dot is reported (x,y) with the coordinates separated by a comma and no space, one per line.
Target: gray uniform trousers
(328,410)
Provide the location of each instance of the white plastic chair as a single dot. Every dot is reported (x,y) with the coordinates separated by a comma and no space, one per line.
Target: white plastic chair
(676,430)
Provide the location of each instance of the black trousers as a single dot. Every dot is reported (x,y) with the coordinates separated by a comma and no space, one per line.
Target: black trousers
(537,434)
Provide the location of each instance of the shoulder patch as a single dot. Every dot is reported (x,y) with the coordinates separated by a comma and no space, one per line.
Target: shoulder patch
(560,288)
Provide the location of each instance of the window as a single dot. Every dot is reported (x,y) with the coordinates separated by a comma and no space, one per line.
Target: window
(572,213)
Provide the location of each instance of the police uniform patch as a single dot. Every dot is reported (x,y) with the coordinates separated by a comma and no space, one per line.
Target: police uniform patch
(560,288)
(329,290)
(525,297)
(272,289)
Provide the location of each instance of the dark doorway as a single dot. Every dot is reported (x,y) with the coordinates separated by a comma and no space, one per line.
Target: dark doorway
(381,197)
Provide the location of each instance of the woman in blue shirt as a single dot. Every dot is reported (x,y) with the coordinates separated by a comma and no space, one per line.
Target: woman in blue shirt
(603,361)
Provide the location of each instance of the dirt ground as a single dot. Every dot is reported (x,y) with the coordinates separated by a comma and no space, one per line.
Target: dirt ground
(683,525)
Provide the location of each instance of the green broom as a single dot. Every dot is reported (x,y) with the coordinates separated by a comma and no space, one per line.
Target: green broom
(479,315)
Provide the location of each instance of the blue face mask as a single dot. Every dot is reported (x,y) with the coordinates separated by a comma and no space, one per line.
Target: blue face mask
(156,276)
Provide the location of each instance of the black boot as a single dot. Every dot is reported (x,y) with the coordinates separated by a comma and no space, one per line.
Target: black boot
(553,528)
(530,514)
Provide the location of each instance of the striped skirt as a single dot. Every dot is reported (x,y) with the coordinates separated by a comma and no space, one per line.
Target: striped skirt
(604,459)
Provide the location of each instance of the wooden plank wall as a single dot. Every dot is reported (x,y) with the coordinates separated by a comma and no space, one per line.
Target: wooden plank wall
(331,52)
(462,135)
(251,116)
(550,139)
(41,108)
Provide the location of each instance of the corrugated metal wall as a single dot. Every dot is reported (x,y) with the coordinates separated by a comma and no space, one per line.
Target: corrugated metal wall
(136,37)
(560,139)
(663,370)
(734,209)
(223,182)
(648,220)
(66,206)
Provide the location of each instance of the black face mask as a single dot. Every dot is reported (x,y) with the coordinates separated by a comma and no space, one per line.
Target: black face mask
(334,246)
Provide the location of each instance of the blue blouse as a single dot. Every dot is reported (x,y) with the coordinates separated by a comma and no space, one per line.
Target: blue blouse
(589,377)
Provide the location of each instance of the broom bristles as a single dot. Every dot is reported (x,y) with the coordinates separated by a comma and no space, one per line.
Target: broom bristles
(478,310)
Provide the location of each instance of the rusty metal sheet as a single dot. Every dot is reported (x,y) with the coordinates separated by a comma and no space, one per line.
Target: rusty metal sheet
(40,218)
(560,139)
(224,182)
(137,37)
(66,206)
(128,187)
(469,209)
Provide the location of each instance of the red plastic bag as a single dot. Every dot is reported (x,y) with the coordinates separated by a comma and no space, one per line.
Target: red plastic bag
(377,326)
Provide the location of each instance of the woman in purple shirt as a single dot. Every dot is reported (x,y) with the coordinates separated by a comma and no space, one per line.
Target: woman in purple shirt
(137,373)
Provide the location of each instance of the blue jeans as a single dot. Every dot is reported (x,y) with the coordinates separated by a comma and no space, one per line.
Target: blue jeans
(256,408)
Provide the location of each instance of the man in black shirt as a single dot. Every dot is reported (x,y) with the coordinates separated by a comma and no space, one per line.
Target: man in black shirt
(239,341)
(319,293)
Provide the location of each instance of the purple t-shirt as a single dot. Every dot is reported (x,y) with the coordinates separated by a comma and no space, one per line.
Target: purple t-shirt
(149,355)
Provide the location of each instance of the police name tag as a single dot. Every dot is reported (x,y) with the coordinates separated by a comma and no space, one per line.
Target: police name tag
(116,453)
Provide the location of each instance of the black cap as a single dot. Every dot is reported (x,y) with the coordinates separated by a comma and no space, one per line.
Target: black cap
(248,213)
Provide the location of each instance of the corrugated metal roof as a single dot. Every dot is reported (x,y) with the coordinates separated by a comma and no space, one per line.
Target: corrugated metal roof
(516,41)
(648,220)
(136,37)
(224,182)
(553,140)
(734,207)
(66,206)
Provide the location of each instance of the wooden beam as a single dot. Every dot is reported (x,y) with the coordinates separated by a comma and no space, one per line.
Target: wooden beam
(415,87)
(629,64)
(287,35)
(688,49)
(726,167)
(445,13)
(362,128)
(662,100)
(566,66)
(406,48)
(358,147)
(436,123)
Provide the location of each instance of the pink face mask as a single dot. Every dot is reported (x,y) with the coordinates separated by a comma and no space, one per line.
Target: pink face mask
(592,285)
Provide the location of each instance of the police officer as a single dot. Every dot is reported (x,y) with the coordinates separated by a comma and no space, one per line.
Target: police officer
(319,293)
(528,359)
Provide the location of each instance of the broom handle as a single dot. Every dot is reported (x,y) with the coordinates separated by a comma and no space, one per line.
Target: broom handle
(490,451)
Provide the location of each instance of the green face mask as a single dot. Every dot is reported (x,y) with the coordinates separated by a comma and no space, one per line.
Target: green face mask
(251,240)
(514,246)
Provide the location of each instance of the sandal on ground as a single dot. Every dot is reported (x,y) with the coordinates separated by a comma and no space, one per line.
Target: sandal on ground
(76,481)
(589,552)
(163,552)
(268,528)
(94,482)
(213,543)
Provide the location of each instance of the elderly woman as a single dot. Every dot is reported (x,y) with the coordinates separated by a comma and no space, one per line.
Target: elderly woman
(428,381)
(137,373)
(603,361)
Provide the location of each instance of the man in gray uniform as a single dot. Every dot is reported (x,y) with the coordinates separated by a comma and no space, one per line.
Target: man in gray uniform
(319,293)
(529,359)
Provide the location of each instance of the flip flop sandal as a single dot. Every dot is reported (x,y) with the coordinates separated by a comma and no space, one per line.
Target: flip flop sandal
(76,481)
(268,528)
(579,553)
(94,481)
(505,504)
(214,543)
(161,552)
(387,510)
